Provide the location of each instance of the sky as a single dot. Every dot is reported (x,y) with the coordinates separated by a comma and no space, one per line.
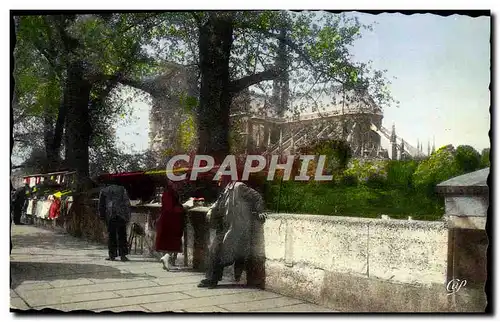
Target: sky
(442,70)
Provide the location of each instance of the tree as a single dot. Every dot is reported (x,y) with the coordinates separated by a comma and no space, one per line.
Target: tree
(86,54)
(238,50)
(439,167)
(467,158)
(485,158)
(37,86)
(232,56)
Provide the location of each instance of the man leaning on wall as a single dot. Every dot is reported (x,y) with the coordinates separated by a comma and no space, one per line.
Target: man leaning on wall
(232,216)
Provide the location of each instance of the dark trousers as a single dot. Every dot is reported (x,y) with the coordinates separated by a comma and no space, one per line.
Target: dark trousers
(117,237)
(17,214)
(239,267)
(215,267)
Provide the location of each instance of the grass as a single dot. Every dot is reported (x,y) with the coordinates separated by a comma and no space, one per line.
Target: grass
(357,201)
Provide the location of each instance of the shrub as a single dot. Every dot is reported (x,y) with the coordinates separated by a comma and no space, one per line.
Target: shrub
(349,180)
(467,158)
(400,173)
(485,158)
(364,169)
(360,201)
(439,167)
(376,180)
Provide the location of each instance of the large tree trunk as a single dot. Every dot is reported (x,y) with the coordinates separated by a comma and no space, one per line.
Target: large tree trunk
(12,93)
(215,41)
(76,99)
(11,138)
(53,144)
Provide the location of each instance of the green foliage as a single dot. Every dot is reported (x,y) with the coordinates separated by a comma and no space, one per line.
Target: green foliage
(485,158)
(189,103)
(236,140)
(360,201)
(188,133)
(338,153)
(467,158)
(349,180)
(363,170)
(400,173)
(376,180)
(439,167)
(37,83)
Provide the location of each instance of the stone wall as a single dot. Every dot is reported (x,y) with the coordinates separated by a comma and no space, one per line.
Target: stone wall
(359,264)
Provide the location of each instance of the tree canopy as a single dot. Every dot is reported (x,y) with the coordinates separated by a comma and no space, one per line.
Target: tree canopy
(69,67)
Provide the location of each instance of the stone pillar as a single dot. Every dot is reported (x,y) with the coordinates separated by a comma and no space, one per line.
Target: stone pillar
(197,218)
(466,206)
(267,135)
(249,134)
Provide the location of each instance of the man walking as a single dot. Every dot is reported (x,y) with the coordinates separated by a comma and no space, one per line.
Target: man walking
(114,209)
(18,201)
(232,217)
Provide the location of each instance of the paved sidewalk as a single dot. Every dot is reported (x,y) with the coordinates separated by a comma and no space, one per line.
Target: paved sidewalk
(55,270)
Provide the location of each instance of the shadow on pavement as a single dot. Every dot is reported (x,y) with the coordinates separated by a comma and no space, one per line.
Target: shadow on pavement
(52,240)
(42,271)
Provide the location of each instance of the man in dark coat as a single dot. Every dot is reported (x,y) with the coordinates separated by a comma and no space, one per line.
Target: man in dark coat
(114,208)
(18,201)
(232,216)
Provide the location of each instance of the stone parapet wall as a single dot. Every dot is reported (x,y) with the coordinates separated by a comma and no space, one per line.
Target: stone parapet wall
(361,264)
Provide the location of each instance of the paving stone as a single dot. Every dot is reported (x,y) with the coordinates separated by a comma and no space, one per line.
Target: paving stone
(179,280)
(157,290)
(44,301)
(202,292)
(122,301)
(161,273)
(25,286)
(13,293)
(303,307)
(18,303)
(93,288)
(69,282)
(260,305)
(18,281)
(129,308)
(92,269)
(117,279)
(205,309)
(209,301)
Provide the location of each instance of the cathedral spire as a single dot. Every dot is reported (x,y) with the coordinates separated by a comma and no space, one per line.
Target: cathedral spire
(394,154)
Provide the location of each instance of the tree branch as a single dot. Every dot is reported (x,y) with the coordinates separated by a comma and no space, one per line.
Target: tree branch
(196,18)
(249,80)
(287,41)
